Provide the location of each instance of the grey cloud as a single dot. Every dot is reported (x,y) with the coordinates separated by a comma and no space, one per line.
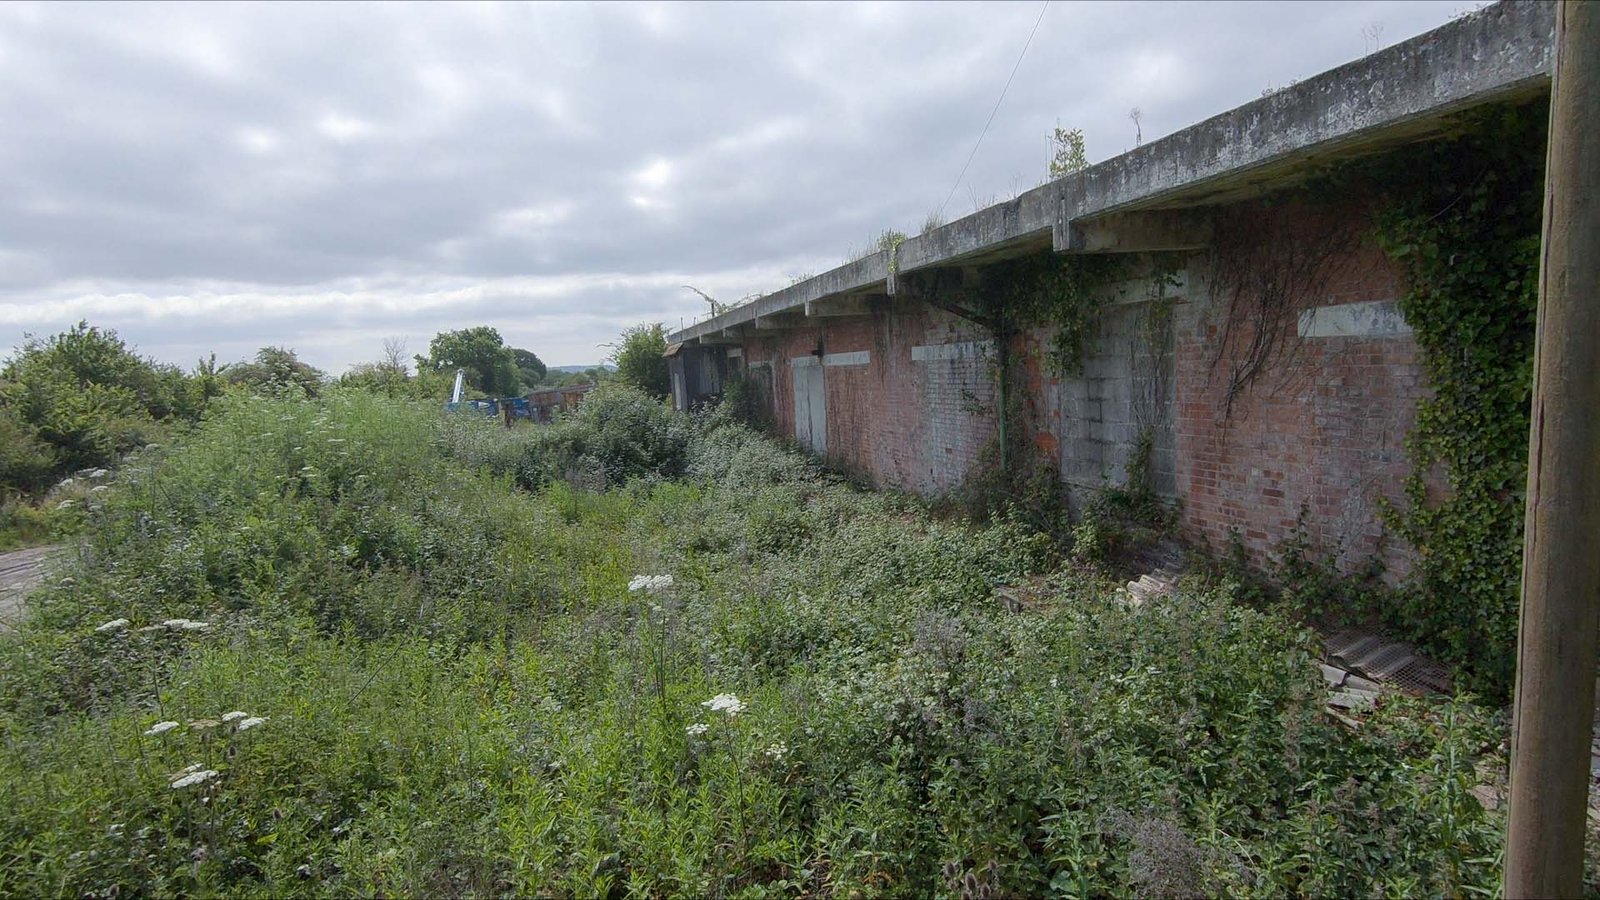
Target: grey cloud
(157,155)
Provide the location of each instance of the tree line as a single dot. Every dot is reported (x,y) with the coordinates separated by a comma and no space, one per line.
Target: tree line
(83,398)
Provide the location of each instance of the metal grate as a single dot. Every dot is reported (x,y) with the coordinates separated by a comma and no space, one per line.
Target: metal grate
(1393,662)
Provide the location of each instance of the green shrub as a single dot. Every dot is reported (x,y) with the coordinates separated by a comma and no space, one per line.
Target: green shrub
(81,399)
(462,695)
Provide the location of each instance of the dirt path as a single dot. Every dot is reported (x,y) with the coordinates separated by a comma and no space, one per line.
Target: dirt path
(20,571)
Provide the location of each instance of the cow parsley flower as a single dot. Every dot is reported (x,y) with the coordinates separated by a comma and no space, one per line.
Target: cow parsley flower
(728,704)
(194,778)
(776,751)
(186,625)
(650,583)
(697,729)
(235,716)
(113,625)
(250,723)
(653,584)
(160,728)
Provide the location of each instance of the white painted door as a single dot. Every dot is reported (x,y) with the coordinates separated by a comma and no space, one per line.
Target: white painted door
(810,405)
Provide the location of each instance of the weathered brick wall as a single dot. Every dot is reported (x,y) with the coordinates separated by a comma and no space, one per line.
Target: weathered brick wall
(910,418)
(1322,428)
(1089,422)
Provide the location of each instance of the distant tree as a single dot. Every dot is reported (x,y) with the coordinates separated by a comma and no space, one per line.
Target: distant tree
(277,371)
(490,364)
(530,367)
(1070,154)
(639,360)
(394,355)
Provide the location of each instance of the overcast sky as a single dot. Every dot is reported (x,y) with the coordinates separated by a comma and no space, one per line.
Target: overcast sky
(218,178)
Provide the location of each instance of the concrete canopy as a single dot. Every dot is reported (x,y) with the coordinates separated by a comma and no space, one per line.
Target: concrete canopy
(1404,93)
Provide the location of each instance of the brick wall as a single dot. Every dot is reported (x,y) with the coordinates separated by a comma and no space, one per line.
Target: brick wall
(904,417)
(1322,427)
(1089,422)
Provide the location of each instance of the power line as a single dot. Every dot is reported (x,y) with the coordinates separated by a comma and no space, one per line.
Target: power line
(996,109)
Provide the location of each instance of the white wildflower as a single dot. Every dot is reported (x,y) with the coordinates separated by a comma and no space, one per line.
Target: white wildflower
(653,584)
(247,724)
(66,504)
(697,729)
(186,625)
(99,488)
(113,625)
(188,770)
(729,704)
(160,728)
(194,778)
(235,716)
(1055,682)
(204,724)
(776,751)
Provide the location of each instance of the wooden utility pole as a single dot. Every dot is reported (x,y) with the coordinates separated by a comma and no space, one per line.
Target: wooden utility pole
(1556,639)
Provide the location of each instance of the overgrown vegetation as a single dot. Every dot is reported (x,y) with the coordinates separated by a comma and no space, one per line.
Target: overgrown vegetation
(82,398)
(640,360)
(724,674)
(1463,222)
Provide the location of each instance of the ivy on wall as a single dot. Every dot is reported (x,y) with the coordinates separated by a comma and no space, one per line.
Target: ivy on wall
(1462,220)
(1057,291)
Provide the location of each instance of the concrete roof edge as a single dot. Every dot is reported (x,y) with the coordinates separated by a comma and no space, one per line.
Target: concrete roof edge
(1474,59)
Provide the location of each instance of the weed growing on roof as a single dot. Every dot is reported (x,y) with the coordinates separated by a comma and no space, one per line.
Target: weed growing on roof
(454,691)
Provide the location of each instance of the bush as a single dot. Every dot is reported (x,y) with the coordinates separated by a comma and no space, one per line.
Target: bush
(26,461)
(617,434)
(640,360)
(463,688)
(81,399)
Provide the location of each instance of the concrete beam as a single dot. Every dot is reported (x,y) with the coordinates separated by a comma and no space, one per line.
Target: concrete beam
(776,321)
(1151,231)
(1405,92)
(839,306)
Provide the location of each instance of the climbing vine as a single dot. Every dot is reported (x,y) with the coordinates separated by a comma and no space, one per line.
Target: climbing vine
(1264,259)
(1462,220)
(1057,291)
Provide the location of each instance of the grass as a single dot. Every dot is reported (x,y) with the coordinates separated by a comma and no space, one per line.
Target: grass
(463,696)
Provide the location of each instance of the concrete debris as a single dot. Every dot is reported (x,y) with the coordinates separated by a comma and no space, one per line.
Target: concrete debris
(1355,701)
(1149,587)
(1348,691)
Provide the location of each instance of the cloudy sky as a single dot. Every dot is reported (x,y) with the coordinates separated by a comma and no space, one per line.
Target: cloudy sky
(218,178)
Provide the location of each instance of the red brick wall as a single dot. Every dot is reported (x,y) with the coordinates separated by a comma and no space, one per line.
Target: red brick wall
(904,423)
(1323,426)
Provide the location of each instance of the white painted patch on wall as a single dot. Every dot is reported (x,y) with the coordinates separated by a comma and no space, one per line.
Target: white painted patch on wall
(858,358)
(800,362)
(964,350)
(1377,318)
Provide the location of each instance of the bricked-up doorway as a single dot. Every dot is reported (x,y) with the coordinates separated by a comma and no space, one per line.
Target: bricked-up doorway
(810,404)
